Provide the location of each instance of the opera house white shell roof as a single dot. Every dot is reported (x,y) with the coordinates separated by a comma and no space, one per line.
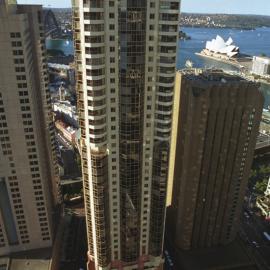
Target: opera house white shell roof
(218,45)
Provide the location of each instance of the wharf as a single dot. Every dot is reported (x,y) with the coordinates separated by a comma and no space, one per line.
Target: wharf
(240,63)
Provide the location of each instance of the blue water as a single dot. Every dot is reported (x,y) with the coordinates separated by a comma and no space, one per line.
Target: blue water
(250,42)
(66,46)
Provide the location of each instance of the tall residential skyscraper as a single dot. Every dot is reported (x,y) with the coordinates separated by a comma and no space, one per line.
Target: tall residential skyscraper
(28,170)
(125,55)
(216,123)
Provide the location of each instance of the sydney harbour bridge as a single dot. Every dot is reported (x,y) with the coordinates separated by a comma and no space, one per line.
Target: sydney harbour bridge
(51,26)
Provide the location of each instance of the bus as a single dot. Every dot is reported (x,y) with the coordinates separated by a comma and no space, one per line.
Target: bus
(267,236)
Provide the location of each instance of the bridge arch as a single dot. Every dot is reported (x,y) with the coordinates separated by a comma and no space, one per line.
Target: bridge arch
(50,24)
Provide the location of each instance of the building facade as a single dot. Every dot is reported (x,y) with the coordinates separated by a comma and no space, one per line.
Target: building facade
(261,65)
(28,169)
(216,123)
(125,57)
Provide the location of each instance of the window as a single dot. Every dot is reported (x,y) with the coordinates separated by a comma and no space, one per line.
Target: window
(15,35)
(17,52)
(16,44)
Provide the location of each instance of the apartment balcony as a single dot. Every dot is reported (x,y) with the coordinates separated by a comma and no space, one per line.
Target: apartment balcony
(166,74)
(167,44)
(167,112)
(94,33)
(169,33)
(94,45)
(87,8)
(162,138)
(95,108)
(164,84)
(168,11)
(166,61)
(164,121)
(165,94)
(97,126)
(94,56)
(98,145)
(93,78)
(91,21)
(97,136)
(169,22)
(163,129)
(171,53)
(164,103)
(96,117)
(95,87)
(95,98)
(95,66)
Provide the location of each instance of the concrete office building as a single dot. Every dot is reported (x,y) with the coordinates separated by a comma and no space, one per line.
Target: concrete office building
(28,169)
(125,56)
(216,123)
(261,65)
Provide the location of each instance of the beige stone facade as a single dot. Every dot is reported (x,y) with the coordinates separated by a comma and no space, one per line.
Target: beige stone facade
(28,168)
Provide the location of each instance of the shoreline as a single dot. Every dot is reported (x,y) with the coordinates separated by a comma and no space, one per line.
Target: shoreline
(218,27)
(235,64)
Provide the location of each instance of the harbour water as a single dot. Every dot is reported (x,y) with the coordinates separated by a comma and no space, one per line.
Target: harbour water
(66,46)
(252,42)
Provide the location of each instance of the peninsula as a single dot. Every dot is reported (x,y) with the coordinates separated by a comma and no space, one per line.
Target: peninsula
(243,22)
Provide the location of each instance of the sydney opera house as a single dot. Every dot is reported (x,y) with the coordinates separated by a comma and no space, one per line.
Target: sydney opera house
(220,47)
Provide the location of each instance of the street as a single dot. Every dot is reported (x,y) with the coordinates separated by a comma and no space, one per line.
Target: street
(252,228)
(75,242)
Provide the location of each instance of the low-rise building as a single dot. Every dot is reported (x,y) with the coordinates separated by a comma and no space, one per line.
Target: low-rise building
(68,132)
(67,111)
(261,65)
(263,203)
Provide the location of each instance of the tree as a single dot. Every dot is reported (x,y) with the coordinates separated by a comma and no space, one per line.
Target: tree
(261,186)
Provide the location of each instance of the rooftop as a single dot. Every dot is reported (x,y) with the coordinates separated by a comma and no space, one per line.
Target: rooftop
(211,75)
(29,260)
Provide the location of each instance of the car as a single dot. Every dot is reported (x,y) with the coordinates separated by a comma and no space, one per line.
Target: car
(255,244)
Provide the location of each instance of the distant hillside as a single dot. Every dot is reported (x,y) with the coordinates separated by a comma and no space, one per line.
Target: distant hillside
(247,22)
(224,20)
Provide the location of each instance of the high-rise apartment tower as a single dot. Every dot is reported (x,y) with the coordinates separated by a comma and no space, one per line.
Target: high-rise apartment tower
(125,55)
(216,122)
(28,170)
